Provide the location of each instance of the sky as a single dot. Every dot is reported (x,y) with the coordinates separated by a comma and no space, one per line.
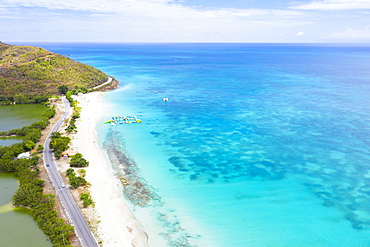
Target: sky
(239,21)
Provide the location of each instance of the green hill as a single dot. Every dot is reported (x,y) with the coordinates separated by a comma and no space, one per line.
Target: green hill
(28,70)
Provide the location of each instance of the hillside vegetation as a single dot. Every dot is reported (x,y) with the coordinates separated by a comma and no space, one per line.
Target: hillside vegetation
(28,70)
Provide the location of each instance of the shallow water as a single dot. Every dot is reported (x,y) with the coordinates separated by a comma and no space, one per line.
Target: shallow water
(258,145)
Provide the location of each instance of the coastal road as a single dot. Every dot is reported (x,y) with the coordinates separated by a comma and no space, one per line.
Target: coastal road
(105,83)
(82,229)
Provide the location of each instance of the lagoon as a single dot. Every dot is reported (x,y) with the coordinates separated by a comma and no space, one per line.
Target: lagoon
(6,141)
(18,116)
(17,227)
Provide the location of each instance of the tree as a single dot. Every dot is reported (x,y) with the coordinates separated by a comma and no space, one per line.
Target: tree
(59,143)
(70,99)
(3,98)
(86,199)
(70,172)
(72,126)
(76,181)
(40,148)
(21,99)
(63,89)
(78,161)
(82,172)
(29,145)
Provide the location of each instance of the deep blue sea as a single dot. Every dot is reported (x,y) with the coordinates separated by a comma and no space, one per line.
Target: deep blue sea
(258,144)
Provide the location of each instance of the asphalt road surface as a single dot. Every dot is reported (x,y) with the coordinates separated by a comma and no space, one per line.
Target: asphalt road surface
(82,229)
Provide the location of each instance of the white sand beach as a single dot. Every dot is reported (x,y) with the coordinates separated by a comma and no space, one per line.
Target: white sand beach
(117,225)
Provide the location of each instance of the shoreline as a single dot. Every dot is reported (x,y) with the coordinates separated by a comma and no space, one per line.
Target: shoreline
(118,190)
(117,226)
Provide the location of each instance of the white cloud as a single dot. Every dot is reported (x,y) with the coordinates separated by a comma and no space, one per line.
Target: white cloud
(335,5)
(170,21)
(153,19)
(148,8)
(352,34)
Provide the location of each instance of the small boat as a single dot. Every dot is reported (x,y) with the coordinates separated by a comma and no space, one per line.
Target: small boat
(165,99)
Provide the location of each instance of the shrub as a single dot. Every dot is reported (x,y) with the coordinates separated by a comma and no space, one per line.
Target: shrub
(86,199)
(78,161)
(75,181)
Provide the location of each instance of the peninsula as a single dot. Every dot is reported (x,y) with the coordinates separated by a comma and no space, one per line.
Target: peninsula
(29,70)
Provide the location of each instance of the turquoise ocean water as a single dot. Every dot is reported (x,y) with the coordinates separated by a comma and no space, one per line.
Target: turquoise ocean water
(258,144)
